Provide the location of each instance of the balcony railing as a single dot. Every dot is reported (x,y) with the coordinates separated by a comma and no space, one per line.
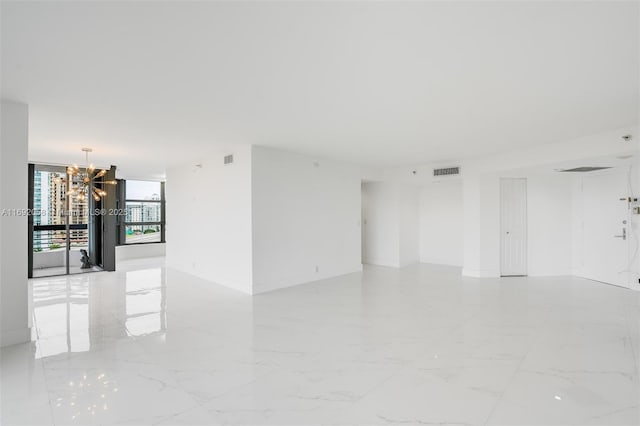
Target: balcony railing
(54,237)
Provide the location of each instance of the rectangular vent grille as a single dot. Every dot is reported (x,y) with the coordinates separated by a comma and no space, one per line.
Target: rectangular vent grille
(448,171)
(585,169)
(228,159)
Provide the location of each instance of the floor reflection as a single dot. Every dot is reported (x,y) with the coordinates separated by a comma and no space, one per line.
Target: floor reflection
(80,399)
(416,345)
(75,314)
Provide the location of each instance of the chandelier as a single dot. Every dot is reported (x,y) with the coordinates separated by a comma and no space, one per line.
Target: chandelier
(85,182)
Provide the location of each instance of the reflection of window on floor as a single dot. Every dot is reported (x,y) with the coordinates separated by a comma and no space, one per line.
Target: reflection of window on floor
(71,316)
(144,206)
(145,302)
(56,301)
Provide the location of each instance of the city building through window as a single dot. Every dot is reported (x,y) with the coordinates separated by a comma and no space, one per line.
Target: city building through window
(144,212)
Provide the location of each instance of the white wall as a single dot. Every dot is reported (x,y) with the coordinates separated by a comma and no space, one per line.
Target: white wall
(209,220)
(441,223)
(392,219)
(304,213)
(381,224)
(549,212)
(576,226)
(634,226)
(549,220)
(272,219)
(550,253)
(481,226)
(138,251)
(409,215)
(306,219)
(14,293)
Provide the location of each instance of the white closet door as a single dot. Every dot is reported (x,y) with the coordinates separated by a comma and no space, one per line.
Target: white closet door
(513,226)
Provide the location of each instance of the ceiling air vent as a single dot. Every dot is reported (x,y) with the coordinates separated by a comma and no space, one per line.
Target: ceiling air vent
(584,169)
(228,159)
(447,171)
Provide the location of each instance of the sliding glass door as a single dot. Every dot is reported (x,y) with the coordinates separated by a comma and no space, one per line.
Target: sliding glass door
(59,226)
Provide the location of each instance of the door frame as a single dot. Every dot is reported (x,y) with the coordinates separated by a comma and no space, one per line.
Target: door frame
(525,235)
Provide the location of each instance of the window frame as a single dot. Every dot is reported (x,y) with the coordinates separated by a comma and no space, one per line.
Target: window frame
(123,223)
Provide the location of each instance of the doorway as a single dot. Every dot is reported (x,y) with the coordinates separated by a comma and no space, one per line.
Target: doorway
(513,227)
(606,215)
(62,240)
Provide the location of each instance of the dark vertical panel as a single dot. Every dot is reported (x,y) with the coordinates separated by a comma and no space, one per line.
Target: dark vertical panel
(67,203)
(93,205)
(122,191)
(95,231)
(163,218)
(31,169)
(109,223)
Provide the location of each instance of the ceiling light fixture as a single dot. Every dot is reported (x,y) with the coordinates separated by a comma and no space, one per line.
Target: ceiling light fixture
(83,182)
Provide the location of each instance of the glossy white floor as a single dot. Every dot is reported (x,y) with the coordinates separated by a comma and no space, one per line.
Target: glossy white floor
(420,345)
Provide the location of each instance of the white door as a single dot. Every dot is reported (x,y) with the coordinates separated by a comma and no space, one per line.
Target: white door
(513,227)
(605,231)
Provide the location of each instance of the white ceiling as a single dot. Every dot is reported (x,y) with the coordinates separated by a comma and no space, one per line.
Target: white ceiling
(152,84)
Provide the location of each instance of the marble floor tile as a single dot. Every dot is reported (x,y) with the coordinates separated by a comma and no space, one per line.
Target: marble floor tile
(149,345)
(569,398)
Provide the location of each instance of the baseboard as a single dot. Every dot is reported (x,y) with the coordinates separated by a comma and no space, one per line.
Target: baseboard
(241,287)
(382,262)
(480,273)
(551,274)
(441,262)
(14,337)
(262,288)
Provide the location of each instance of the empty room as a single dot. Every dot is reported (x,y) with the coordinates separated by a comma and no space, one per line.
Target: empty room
(320,213)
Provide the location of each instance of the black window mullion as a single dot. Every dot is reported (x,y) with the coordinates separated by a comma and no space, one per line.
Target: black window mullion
(161,223)
(162,214)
